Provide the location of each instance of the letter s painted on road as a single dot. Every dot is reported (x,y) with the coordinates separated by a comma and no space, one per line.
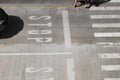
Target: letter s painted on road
(37,18)
(44,69)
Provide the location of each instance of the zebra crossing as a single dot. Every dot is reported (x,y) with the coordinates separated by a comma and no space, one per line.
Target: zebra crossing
(108,34)
(106,25)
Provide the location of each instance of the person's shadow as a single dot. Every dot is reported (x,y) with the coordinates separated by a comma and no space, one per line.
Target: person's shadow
(14,26)
(96,2)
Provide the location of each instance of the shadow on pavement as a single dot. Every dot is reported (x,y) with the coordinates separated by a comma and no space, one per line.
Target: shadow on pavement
(96,2)
(14,26)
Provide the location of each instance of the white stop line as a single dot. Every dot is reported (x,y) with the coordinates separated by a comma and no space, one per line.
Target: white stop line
(34,54)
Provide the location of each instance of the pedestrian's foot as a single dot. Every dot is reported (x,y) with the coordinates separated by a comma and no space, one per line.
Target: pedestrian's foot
(87,6)
(74,5)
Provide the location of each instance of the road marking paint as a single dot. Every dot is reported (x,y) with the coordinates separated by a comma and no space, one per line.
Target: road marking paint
(48,24)
(104,8)
(108,34)
(41,40)
(44,69)
(105,16)
(33,32)
(108,43)
(110,67)
(105,43)
(66,28)
(41,17)
(109,55)
(111,78)
(70,67)
(115,1)
(106,25)
(34,54)
(40,6)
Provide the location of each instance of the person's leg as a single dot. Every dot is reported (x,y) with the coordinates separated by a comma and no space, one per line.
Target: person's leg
(75,3)
(86,3)
(89,3)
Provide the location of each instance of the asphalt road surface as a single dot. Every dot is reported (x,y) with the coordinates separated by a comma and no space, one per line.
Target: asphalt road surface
(59,42)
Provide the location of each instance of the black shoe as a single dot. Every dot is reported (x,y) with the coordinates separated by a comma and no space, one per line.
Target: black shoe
(97,5)
(75,5)
(88,5)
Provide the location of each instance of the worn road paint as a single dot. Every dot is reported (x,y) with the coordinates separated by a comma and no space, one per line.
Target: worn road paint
(35,54)
(106,25)
(110,67)
(107,34)
(104,8)
(66,28)
(70,67)
(109,55)
(105,16)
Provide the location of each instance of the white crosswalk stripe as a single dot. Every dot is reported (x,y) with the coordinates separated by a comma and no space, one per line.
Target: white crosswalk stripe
(110,67)
(104,43)
(108,25)
(107,34)
(115,1)
(108,43)
(109,55)
(111,78)
(105,8)
(105,16)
